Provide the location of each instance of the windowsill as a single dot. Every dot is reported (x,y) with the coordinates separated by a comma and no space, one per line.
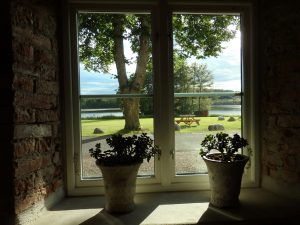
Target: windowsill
(257,207)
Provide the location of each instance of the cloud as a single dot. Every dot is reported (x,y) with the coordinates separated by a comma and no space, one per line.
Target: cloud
(226,68)
(92,83)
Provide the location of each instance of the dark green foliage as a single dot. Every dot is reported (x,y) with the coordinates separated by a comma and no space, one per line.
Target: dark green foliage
(201,35)
(227,146)
(98,103)
(125,150)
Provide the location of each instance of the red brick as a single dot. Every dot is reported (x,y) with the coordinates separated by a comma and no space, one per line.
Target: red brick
(47,115)
(44,145)
(31,165)
(24,147)
(44,57)
(28,131)
(47,87)
(48,73)
(23,83)
(42,42)
(25,68)
(35,101)
(44,101)
(24,115)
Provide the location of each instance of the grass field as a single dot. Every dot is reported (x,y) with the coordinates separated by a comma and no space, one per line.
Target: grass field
(111,126)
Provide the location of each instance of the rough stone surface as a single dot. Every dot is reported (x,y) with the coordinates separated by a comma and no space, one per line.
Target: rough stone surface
(214,127)
(37,151)
(280,88)
(98,131)
(231,119)
(221,118)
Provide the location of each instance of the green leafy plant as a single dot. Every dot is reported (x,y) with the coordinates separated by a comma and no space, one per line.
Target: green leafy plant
(125,150)
(224,146)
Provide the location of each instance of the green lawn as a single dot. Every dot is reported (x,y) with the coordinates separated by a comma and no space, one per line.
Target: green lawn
(117,125)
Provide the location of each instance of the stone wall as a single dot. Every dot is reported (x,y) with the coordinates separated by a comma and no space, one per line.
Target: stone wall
(280,73)
(37,137)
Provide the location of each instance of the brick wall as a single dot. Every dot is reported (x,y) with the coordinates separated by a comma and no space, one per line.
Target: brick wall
(37,137)
(280,61)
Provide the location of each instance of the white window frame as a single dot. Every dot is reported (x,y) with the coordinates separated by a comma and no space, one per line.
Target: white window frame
(163,69)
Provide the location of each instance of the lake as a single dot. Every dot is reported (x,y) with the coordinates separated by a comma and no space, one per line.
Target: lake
(225,110)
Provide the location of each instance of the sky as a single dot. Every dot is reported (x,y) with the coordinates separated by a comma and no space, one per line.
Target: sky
(225,69)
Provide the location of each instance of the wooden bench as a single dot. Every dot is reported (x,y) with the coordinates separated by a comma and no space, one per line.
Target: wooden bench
(188,120)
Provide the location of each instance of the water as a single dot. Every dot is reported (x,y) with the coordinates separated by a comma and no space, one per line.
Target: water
(225,110)
(100,114)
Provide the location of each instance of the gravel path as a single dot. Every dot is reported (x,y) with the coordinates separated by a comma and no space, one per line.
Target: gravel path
(187,159)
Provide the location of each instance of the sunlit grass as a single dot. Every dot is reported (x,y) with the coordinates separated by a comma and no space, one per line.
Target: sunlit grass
(111,126)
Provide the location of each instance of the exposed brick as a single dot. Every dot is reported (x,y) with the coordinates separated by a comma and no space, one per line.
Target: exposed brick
(24,147)
(27,166)
(45,24)
(47,87)
(35,101)
(280,103)
(56,158)
(44,145)
(42,56)
(42,42)
(27,201)
(28,131)
(44,101)
(37,153)
(23,52)
(46,115)
(25,185)
(56,129)
(24,115)
(22,16)
(23,83)
(48,73)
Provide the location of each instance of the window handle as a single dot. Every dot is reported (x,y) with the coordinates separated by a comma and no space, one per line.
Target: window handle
(172,153)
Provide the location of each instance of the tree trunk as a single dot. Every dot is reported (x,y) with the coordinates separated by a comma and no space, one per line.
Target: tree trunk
(131,106)
(131,110)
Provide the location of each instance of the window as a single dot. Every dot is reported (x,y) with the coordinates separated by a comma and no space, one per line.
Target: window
(173,82)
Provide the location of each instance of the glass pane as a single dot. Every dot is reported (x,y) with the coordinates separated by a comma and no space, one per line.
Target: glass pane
(207,76)
(115,81)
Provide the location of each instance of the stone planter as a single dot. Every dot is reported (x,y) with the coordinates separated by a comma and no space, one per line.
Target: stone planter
(225,181)
(120,185)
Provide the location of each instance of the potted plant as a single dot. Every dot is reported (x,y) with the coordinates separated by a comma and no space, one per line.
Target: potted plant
(225,167)
(119,166)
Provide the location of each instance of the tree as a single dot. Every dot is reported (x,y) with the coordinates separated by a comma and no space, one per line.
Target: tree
(202,80)
(101,43)
(182,84)
(194,78)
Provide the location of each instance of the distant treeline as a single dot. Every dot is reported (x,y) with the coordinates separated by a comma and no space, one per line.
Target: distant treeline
(146,105)
(99,103)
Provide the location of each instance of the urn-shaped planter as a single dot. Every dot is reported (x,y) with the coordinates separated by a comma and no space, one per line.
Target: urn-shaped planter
(120,186)
(225,180)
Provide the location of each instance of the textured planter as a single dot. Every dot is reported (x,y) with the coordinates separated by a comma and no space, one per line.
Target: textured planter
(225,181)
(120,184)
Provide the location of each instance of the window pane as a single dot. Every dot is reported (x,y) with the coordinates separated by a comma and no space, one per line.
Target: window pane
(98,122)
(115,81)
(206,80)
